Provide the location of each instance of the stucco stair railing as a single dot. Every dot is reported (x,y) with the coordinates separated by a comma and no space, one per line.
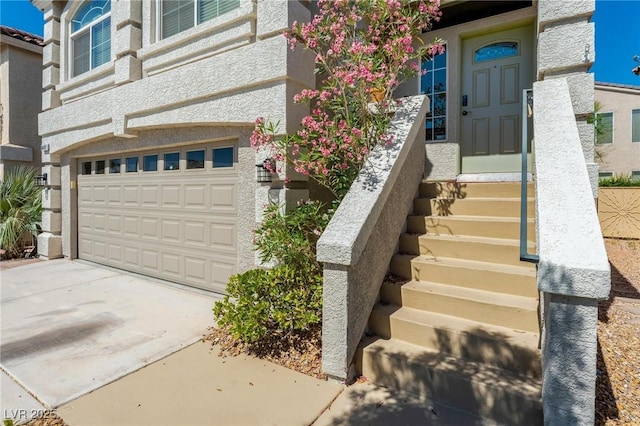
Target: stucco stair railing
(573,272)
(357,245)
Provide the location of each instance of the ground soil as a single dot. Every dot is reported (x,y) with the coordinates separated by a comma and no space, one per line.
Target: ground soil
(12,263)
(618,380)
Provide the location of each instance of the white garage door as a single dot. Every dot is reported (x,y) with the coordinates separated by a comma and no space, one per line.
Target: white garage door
(169,213)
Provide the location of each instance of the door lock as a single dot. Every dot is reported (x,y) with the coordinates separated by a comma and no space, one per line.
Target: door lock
(465,112)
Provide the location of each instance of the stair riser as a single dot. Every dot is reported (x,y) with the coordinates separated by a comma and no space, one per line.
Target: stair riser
(470,190)
(443,225)
(473,347)
(494,402)
(499,282)
(471,207)
(484,252)
(490,313)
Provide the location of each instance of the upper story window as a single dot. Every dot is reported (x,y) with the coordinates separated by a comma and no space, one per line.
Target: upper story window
(179,15)
(635,125)
(91,36)
(604,127)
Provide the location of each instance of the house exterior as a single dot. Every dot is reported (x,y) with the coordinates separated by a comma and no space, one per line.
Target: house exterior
(619,144)
(147,111)
(20,97)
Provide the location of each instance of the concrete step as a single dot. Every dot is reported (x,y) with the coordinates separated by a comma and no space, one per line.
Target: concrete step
(500,207)
(469,386)
(501,347)
(516,280)
(505,310)
(470,190)
(480,226)
(484,249)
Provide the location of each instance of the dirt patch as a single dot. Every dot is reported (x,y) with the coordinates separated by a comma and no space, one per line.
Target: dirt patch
(618,380)
(49,419)
(300,351)
(14,263)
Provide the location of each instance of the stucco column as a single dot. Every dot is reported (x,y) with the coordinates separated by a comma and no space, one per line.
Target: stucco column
(566,24)
(50,240)
(127,39)
(51,56)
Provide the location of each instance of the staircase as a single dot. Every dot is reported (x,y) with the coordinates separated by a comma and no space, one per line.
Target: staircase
(458,322)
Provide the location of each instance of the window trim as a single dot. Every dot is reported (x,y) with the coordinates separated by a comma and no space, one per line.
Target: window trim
(613,139)
(81,31)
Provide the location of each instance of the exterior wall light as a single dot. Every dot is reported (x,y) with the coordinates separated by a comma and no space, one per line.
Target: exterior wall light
(263,170)
(41,180)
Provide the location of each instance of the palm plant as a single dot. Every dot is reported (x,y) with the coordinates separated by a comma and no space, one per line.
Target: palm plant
(20,208)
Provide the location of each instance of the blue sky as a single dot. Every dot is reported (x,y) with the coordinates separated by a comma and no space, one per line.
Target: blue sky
(617,36)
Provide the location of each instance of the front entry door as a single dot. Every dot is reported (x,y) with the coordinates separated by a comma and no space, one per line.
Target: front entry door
(495,69)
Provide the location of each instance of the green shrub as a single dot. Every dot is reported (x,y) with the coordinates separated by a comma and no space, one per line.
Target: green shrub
(20,208)
(617,181)
(288,297)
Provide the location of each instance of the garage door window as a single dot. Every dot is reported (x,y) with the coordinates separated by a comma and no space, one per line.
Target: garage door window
(172,161)
(132,164)
(100,167)
(150,163)
(86,168)
(223,157)
(114,166)
(195,159)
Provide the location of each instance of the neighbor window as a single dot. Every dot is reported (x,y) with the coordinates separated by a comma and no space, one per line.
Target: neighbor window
(635,175)
(172,161)
(91,36)
(150,163)
(179,15)
(195,159)
(604,127)
(434,84)
(223,157)
(605,175)
(131,164)
(100,167)
(635,125)
(86,168)
(114,165)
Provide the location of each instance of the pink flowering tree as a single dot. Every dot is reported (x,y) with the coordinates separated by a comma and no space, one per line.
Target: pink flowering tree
(363,50)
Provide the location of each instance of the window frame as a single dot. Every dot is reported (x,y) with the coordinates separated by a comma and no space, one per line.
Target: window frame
(430,116)
(196,18)
(605,175)
(611,130)
(87,28)
(631,136)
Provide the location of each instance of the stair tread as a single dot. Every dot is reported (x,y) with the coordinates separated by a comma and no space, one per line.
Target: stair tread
(475,239)
(524,339)
(472,370)
(490,199)
(476,295)
(475,218)
(528,270)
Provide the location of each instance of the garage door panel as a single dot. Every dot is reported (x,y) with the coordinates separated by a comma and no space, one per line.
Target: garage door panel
(179,225)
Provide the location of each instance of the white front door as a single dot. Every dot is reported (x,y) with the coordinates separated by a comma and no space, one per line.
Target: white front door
(496,68)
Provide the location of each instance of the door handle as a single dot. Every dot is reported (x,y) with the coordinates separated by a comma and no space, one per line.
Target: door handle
(465,112)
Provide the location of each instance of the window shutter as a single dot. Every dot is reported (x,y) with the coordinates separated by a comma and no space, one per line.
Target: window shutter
(177,16)
(101,49)
(81,56)
(209,9)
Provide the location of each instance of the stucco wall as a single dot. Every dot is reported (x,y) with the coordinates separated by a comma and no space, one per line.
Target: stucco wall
(20,98)
(623,155)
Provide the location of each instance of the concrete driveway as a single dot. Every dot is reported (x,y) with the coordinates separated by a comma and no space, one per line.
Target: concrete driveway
(69,328)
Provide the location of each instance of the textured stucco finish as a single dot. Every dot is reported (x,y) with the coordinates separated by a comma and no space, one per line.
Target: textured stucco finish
(20,96)
(443,161)
(154,93)
(623,155)
(573,260)
(361,238)
(551,11)
(566,47)
(569,360)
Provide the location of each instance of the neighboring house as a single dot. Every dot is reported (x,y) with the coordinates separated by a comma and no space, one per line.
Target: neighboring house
(618,145)
(147,112)
(20,97)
